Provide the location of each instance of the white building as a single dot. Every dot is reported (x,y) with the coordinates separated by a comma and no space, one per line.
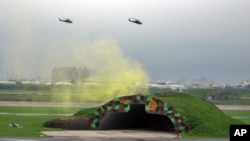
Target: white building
(5,82)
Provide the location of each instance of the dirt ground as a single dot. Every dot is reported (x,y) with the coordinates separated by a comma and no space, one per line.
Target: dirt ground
(70,123)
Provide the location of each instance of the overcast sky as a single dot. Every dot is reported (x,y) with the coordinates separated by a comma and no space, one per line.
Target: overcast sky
(179,39)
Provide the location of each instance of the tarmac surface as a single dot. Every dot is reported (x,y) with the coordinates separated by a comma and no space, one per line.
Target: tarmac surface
(105,139)
(88,105)
(48,104)
(114,134)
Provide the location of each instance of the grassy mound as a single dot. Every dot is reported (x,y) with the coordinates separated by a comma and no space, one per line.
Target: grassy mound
(204,119)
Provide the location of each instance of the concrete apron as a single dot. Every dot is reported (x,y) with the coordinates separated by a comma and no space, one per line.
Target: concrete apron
(131,134)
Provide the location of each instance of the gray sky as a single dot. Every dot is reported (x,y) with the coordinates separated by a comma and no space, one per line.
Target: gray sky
(179,39)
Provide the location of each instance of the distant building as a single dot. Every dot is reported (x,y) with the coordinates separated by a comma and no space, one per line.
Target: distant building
(245,83)
(167,85)
(202,83)
(31,82)
(5,82)
(219,85)
(153,85)
(70,74)
(176,87)
(63,83)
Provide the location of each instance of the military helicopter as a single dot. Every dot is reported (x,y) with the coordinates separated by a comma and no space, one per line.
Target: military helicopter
(134,20)
(66,20)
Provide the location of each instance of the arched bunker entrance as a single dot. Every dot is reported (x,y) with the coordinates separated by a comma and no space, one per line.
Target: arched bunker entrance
(138,112)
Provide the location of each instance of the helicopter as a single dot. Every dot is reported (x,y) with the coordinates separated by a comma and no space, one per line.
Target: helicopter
(134,20)
(67,20)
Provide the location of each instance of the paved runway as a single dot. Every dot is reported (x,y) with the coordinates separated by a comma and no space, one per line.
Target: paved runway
(48,104)
(119,135)
(106,139)
(114,134)
(88,105)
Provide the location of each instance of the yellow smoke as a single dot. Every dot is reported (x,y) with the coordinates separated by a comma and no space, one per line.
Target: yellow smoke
(112,73)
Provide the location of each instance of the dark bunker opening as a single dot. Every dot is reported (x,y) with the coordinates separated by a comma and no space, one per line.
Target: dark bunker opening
(136,118)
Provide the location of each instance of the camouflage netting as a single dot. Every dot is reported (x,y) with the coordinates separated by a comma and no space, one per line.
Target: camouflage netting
(152,106)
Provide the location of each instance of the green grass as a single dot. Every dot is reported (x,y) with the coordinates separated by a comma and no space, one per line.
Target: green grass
(86,112)
(204,119)
(39,110)
(32,125)
(242,115)
(198,92)
(25,97)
